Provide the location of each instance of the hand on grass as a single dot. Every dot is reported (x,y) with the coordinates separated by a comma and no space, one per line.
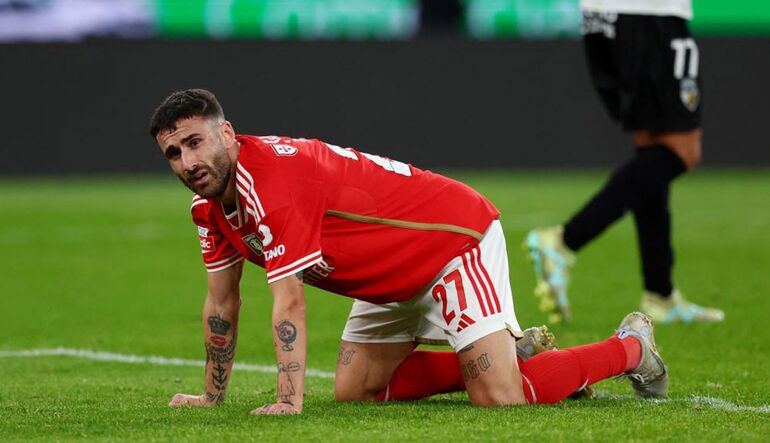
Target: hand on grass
(277,409)
(180,400)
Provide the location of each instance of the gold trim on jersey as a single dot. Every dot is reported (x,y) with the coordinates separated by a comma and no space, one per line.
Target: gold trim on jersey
(406,224)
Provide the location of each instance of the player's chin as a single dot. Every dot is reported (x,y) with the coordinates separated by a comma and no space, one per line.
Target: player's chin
(211,189)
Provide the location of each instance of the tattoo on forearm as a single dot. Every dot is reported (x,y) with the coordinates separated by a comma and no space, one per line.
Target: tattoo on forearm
(221,354)
(473,369)
(287,333)
(285,389)
(289,367)
(346,356)
(215,398)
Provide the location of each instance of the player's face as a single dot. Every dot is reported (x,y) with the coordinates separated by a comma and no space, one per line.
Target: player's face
(197,150)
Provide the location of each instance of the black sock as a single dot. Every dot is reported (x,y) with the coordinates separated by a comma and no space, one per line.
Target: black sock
(653,229)
(646,175)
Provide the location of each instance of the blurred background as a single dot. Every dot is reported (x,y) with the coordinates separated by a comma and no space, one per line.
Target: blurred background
(439,83)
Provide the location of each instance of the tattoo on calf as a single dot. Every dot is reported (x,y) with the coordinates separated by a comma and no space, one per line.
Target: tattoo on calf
(466,349)
(287,333)
(290,367)
(473,369)
(218,325)
(346,356)
(219,377)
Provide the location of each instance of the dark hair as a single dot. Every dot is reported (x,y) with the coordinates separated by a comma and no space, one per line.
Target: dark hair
(184,104)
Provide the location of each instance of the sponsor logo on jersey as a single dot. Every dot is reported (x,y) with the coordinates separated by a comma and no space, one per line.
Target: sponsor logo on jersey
(258,241)
(207,241)
(284,150)
(275,252)
(689,93)
(207,244)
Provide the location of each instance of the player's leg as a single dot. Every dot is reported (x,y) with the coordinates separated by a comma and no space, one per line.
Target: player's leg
(551,376)
(364,369)
(668,131)
(491,372)
(552,250)
(426,373)
(375,341)
(471,302)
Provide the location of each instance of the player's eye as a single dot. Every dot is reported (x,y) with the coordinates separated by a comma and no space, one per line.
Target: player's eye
(172,153)
(195,142)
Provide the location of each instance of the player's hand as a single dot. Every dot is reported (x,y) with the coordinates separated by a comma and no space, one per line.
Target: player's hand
(180,400)
(277,409)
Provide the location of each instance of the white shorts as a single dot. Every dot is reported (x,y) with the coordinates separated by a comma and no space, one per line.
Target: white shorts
(469,299)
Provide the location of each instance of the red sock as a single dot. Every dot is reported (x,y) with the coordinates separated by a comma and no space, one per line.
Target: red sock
(633,352)
(422,374)
(552,376)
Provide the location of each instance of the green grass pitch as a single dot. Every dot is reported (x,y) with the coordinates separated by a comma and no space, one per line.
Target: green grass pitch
(112,264)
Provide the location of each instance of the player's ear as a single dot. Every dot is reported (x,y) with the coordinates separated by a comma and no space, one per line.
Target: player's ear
(228,131)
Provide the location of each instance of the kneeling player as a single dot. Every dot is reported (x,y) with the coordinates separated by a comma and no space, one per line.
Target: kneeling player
(423,255)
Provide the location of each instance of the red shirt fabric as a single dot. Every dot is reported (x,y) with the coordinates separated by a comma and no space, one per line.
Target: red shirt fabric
(356,224)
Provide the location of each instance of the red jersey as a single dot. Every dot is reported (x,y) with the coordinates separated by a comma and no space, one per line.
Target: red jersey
(356,224)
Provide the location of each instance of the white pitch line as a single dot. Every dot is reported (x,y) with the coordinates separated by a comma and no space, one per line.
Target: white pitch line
(713,402)
(141,359)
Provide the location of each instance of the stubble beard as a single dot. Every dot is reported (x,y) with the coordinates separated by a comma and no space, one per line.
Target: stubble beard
(219,177)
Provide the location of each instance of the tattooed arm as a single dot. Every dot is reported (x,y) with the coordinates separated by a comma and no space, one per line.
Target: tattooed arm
(220,334)
(290,339)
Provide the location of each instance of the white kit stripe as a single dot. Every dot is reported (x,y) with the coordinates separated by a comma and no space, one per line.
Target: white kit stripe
(485,285)
(148,360)
(225,266)
(531,389)
(295,263)
(224,260)
(250,180)
(295,267)
(475,284)
(250,206)
(198,202)
(484,275)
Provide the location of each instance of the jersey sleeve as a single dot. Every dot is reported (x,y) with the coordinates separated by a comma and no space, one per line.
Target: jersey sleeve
(275,184)
(218,253)
(291,240)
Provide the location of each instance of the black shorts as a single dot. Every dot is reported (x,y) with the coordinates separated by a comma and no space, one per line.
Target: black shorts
(645,69)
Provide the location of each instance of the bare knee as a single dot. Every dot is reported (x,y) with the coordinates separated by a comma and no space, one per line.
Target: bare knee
(345,391)
(490,371)
(488,398)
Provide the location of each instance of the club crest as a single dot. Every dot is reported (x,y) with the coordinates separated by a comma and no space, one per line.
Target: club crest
(689,93)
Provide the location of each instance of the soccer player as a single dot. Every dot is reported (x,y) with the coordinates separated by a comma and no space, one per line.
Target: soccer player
(422,255)
(645,67)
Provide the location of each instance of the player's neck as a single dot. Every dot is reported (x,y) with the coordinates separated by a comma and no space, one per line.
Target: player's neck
(229,196)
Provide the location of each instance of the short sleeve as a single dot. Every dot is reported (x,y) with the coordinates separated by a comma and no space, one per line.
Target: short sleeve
(218,253)
(291,240)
